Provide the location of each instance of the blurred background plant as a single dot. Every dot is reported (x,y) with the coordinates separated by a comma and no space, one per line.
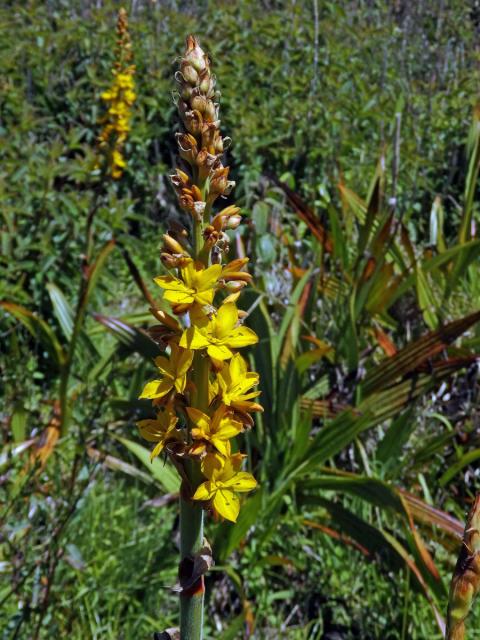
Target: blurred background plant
(366,301)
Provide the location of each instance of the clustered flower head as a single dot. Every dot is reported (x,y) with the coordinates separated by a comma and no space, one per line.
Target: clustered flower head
(204,394)
(118,99)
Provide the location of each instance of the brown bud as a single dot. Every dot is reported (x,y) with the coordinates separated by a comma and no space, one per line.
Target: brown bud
(171,262)
(199,103)
(186,92)
(242,276)
(205,163)
(172,245)
(180,309)
(189,73)
(193,121)
(195,55)
(235,265)
(196,193)
(235,286)
(187,146)
(207,83)
(210,112)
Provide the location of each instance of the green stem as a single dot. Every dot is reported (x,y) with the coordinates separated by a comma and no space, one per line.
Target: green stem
(191,541)
(191,515)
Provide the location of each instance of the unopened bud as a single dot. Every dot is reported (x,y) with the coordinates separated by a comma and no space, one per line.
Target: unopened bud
(195,55)
(206,83)
(172,245)
(235,265)
(189,73)
(186,92)
(210,111)
(199,103)
(193,122)
(196,193)
(171,262)
(235,286)
(233,222)
(242,276)
(180,309)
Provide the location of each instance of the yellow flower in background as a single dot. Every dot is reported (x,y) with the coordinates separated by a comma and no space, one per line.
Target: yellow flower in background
(197,284)
(224,481)
(216,430)
(219,335)
(119,99)
(162,430)
(174,371)
(235,382)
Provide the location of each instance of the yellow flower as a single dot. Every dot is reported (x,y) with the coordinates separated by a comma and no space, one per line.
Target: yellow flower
(197,284)
(219,335)
(174,370)
(224,481)
(162,430)
(234,382)
(216,430)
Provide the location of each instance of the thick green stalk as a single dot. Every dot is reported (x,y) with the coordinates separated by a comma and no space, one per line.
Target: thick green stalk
(191,515)
(191,600)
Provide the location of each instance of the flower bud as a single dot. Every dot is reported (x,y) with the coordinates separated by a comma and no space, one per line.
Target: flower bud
(199,103)
(237,275)
(172,245)
(189,73)
(171,262)
(233,222)
(193,122)
(186,92)
(235,286)
(207,83)
(195,55)
(209,111)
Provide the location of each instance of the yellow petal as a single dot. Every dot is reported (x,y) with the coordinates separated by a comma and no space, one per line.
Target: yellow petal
(204,491)
(228,429)
(219,352)
(163,364)
(157,450)
(241,337)
(241,481)
(179,296)
(238,367)
(193,339)
(227,504)
(227,318)
(205,297)
(156,389)
(212,465)
(223,446)
(184,362)
(208,277)
(200,419)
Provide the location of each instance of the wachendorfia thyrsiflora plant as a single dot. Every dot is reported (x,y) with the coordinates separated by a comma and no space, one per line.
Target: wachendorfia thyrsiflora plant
(204,395)
(119,99)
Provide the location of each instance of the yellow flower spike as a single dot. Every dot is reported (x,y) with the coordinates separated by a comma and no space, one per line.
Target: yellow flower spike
(119,99)
(174,371)
(196,285)
(223,483)
(219,335)
(216,430)
(162,430)
(235,382)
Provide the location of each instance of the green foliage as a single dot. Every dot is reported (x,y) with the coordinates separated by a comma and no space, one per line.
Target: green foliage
(365,308)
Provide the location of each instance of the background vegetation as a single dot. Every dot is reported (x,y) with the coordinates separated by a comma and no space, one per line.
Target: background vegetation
(356,161)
